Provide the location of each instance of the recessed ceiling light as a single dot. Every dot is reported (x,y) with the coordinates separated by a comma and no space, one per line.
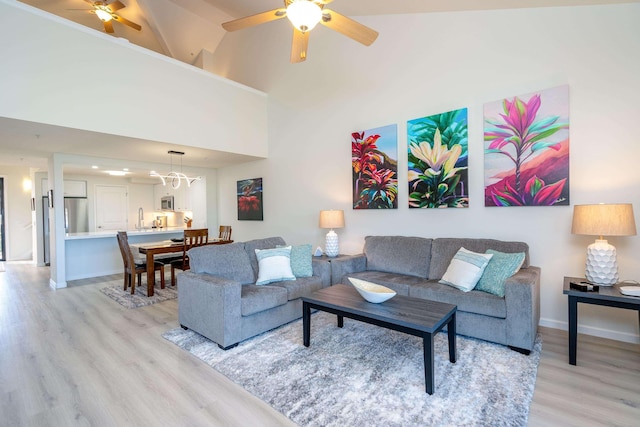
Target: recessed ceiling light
(116,173)
(125,169)
(94,167)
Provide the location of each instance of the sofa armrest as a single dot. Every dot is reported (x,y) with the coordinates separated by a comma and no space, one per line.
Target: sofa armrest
(346,264)
(322,269)
(522,297)
(210,305)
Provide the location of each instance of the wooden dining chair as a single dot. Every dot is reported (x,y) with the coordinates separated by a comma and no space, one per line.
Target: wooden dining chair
(225,232)
(131,269)
(192,238)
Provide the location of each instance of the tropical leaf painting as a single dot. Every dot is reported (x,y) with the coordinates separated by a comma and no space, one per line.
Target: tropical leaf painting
(526,149)
(249,195)
(375,168)
(437,161)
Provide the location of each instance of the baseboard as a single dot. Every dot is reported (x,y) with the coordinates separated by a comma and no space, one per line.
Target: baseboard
(590,330)
(54,285)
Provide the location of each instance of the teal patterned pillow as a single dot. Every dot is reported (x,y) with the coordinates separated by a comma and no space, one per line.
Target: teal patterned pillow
(500,268)
(301,261)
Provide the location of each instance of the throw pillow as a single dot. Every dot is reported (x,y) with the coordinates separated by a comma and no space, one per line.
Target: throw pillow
(465,269)
(501,267)
(274,265)
(301,260)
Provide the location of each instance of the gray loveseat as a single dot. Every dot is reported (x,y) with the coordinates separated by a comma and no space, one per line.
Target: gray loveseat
(218,297)
(413,265)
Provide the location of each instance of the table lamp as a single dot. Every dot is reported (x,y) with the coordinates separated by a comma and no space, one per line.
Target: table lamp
(603,220)
(331,219)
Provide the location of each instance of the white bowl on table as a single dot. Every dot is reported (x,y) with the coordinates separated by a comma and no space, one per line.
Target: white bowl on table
(372,292)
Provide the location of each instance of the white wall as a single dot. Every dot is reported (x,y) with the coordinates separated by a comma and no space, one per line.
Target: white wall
(18,218)
(432,63)
(61,73)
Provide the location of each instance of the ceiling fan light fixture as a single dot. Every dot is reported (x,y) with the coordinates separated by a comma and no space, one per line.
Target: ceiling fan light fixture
(304,14)
(103,15)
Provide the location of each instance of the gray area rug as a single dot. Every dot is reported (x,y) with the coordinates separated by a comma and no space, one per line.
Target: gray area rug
(115,291)
(366,375)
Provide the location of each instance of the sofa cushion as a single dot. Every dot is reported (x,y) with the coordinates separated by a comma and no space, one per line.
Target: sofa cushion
(260,298)
(267,243)
(477,302)
(301,260)
(228,261)
(398,254)
(443,250)
(274,265)
(465,269)
(300,287)
(500,267)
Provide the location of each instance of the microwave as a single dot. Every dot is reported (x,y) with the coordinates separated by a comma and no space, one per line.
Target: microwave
(167,203)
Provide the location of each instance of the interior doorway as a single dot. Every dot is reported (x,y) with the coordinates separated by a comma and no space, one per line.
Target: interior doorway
(3,253)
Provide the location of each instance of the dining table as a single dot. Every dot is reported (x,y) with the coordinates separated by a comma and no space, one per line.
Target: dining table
(165,247)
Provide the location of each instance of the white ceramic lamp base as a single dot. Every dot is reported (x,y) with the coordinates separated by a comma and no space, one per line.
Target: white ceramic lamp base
(331,244)
(602,268)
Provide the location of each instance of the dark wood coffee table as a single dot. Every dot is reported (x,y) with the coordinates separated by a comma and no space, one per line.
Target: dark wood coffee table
(414,316)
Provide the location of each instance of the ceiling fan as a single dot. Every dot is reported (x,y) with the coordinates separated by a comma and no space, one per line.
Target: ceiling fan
(107,12)
(304,15)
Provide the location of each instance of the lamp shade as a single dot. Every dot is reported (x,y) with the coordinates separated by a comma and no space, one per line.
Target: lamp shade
(304,14)
(604,220)
(332,219)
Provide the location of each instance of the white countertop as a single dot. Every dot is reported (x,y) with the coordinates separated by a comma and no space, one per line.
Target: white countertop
(111,233)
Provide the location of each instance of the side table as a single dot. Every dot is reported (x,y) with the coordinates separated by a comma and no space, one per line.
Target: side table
(609,296)
(324,257)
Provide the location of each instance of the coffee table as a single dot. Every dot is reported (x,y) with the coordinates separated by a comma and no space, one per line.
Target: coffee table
(414,316)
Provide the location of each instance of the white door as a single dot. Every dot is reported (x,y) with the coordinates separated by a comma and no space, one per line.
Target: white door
(111,208)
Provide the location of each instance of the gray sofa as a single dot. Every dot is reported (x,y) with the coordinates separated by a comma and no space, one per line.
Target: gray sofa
(218,297)
(413,265)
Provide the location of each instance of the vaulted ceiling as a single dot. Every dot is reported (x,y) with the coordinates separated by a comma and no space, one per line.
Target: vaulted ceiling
(182,29)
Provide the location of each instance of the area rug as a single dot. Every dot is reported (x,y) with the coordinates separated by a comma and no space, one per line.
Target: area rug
(115,291)
(366,375)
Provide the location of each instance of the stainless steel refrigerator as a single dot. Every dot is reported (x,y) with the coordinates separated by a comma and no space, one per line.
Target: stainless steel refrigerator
(76,219)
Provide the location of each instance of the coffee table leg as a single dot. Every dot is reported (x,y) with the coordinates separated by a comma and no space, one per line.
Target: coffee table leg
(451,332)
(306,323)
(340,321)
(427,341)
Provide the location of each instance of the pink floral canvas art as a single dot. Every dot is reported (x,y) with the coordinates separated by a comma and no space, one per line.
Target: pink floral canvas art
(526,156)
(374,168)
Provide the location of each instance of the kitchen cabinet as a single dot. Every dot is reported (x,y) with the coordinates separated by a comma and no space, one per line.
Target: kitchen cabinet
(72,188)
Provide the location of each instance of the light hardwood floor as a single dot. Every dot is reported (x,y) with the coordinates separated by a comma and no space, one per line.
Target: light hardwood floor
(74,357)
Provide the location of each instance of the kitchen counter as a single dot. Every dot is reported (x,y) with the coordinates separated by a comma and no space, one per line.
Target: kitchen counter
(111,233)
(95,254)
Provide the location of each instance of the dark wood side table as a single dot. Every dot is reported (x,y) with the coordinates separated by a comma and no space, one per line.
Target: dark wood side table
(609,296)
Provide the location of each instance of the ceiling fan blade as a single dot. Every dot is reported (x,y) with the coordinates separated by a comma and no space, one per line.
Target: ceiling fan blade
(124,21)
(250,21)
(108,26)
(116,5)
(89,1)
(299,46)
(348,27)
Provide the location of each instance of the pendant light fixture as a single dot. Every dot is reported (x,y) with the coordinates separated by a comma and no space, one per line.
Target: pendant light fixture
(175,178)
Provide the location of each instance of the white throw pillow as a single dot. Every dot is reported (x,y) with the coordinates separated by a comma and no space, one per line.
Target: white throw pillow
(465,269)
(274,265)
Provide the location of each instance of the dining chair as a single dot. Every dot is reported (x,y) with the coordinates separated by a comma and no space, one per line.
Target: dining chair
(192,238)
(131,269)
(225,232)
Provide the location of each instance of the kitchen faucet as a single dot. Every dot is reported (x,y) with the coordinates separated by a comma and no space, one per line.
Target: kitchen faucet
(140,218)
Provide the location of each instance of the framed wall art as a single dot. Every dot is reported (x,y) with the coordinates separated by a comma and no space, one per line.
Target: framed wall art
(437,160)
(374,166)
(526,149)
(249,194)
